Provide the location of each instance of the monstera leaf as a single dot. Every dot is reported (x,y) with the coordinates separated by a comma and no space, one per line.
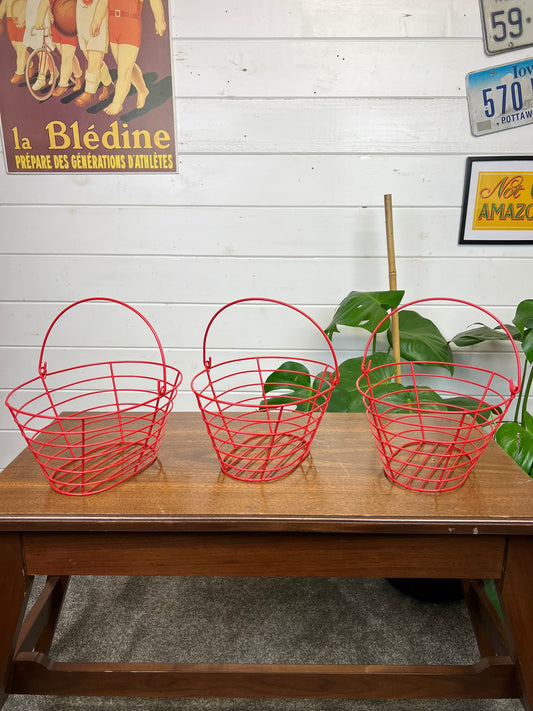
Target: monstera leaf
(322,384)
(346,397)
(289,384)
(481,333)
(517,441)
(527,345)
(523,319)
(364,309)
(421,340)
(394,393)
(460,403)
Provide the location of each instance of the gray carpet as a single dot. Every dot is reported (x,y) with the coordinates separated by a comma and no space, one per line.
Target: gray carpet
(256,620)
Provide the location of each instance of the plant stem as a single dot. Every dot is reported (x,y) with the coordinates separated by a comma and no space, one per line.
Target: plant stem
(519,398)
(525,394)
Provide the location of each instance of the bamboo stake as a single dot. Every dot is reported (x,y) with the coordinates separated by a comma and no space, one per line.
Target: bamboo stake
(395,326)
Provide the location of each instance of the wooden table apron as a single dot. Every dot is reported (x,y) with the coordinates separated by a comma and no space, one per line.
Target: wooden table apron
(335,516)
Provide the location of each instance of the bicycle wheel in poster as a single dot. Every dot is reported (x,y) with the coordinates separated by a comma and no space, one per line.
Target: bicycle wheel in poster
(42,60)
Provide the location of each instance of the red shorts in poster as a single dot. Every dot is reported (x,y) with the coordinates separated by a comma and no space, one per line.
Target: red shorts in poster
(86,86)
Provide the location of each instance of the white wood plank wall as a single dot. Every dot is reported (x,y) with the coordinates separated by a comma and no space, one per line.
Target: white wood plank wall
(294,119)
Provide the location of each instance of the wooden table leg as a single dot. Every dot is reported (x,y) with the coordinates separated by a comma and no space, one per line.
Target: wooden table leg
(12,599)
(37,630)
(517,594)
(489,628)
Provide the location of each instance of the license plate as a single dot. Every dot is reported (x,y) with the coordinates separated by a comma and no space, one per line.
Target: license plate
(500,97)
(507,24)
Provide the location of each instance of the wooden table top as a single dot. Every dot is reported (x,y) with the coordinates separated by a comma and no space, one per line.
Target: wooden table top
(340,487)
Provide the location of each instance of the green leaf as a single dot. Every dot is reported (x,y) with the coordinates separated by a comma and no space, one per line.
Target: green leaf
(397,394)
(341,401)
(322,382)
(524,315)
(290,374)
(279,401)
(463,402)
(518,443)
(364,309)
(421,340)
(481,333)
(290,383)
(346,397)
(351,369)
(527,345)
(528,422)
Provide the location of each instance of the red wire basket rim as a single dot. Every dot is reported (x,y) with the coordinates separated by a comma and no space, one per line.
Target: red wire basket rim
(422,407)
(443,364)
(415,386)
(328,369)
(172,385)
(85,415)
(251,407)
(415,409)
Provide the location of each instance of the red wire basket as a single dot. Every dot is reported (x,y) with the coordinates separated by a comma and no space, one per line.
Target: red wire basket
(430,428)
(261,429)
(91,427)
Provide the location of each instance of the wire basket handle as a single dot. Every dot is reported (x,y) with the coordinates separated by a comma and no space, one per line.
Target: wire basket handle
(514,388)
(43,364)
(207,361)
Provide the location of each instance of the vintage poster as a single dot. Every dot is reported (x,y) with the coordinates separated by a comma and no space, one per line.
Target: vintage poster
(86,86)
(498,200)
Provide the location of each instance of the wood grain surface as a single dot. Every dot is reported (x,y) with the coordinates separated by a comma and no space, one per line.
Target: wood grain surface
(339,487)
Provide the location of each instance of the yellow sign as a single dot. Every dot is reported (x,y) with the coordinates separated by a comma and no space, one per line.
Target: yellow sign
(503,201)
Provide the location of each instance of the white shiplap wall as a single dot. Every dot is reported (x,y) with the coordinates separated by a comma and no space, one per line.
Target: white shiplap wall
(294,119)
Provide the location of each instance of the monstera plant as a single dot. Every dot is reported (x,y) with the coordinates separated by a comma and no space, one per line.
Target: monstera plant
(420,340)
(515,436)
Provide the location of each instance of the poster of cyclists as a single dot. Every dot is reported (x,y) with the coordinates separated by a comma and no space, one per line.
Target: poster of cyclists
(86,86)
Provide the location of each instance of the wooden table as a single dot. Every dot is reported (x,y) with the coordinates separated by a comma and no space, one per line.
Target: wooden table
(337,515)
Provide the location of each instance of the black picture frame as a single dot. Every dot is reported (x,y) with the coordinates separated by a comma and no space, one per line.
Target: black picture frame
(507,218)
